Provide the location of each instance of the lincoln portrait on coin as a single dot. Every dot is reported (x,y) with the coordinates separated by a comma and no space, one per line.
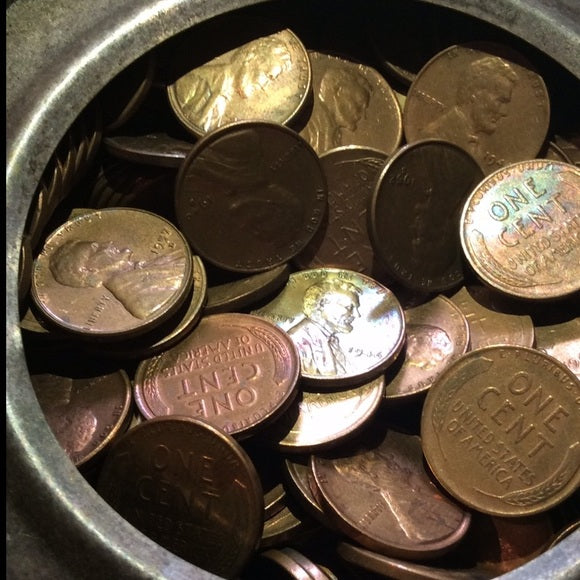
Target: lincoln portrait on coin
(329,307)
(142,287)
(483,94)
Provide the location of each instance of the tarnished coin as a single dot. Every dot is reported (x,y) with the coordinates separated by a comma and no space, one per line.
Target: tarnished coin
(235,371)
(437,333)
(191,488)
(562,341)
(500,430)
(85,413)
(488,327)
(397,510)
(348,327)
(483,98)
(112,273)
(299,479)
(250,196)
(414,214)
(343,241)
(353,105)
(519,229)
(268,78)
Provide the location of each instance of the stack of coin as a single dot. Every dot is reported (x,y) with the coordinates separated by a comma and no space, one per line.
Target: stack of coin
(319,295)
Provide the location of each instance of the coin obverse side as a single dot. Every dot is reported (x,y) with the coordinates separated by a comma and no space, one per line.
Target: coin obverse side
(191,488)
(112,273)
(235,371)
(500,430)
(250,196)
(268,78)
(348,327)
(519,229)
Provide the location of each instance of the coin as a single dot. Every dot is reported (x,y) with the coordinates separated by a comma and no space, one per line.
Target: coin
(562,341)
(191,488)
(112,273)
(519,229)
(353,105)
(499,430)
(268,78)
(250,196)
(437,333)
(235,371)
(348,327)
(414,214)
(397,510)
(343,241)
(483,97)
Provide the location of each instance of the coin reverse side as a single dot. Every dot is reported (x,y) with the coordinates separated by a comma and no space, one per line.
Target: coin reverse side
(500,430)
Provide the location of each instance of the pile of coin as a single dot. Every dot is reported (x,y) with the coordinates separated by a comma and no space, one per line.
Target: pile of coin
(296,308)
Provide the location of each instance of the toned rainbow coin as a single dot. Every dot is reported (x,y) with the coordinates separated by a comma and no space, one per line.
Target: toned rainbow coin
(348,327)
(396,510)
(437,334)
(250,196)
(500,430)
(235,371)
(268,78)
(519,229)
(112,274)
(191,488)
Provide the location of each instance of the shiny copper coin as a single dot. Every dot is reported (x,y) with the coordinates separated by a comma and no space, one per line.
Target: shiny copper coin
(485,99)
(348,327)
(353,105)
(235,371)
(268,78)
(437,333)
(500,430)
(250,196)
(414,214)
(519,229)
(85,413)
(191,488)
(397,510)
(343,241)
(112,273)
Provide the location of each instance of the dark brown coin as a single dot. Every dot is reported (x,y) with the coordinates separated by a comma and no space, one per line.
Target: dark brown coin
(235,371)
(250,196)
(85,413)
(343,241)
(415,210)
(191,488)
(500,430)
(397,510)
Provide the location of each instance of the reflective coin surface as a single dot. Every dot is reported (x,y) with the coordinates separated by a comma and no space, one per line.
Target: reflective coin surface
(347,326)
(519,229)
(500,430)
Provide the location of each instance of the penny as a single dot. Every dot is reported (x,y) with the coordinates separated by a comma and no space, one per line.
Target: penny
(235,371)
(323,420)
(191,488)
(286,526)
(353,105)
(85,413)
(414,214)
(343,241)
(348,327)
(250,196)
(499,430)
(562,341)
(485,99)
(488,327)
(268,78)
(437,333)
(112,273)
(397,510)
(299,479)
(313,570)
(519,230)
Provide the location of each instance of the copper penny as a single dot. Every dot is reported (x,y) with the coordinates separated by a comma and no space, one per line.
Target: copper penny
(519,229)
(500,430)
(235,371)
